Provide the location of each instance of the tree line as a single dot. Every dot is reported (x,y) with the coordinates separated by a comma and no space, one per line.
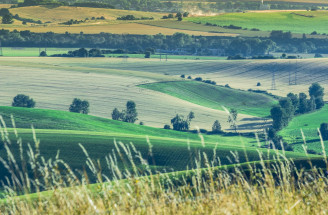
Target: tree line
(293,105)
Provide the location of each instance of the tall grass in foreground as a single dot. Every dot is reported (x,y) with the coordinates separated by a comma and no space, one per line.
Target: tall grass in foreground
(276,187)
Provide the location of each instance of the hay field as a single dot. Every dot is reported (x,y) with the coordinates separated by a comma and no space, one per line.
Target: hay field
(108,27)
(54,85)
(65,13)
(296,22)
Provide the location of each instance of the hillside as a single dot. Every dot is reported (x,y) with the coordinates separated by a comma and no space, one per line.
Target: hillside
(62,131)
(296,22)
(216,96)
(309,123)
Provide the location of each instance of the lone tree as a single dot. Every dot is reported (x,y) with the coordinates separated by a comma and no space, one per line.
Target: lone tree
(43,54)
(180,123)
(79,106)
(7,19)
(216,127)
(324,131)
(116,114)
(129,115)
(232,119)
(22,100)
(317,92)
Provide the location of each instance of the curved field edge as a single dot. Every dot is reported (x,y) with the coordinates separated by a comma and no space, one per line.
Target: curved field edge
(215,97)
(171,150)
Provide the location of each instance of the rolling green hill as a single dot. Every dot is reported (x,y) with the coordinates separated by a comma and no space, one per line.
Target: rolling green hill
(296,22)
(309,123)
(216,96)
(62,131)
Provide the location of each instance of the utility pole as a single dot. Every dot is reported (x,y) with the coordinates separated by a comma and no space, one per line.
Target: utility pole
(1,54)
(273,84)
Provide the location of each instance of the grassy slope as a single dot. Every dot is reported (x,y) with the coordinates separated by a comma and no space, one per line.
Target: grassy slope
(216,96)
(170,150)
(309,124)
(286,21)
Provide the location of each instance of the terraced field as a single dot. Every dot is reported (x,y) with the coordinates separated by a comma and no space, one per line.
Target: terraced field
(296,22)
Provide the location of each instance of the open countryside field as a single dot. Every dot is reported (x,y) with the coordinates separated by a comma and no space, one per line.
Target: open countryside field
(240,74)
(63,131)
(104,88)
(64,13)
(107,27)
(296,22)
(309,123)
(216,96)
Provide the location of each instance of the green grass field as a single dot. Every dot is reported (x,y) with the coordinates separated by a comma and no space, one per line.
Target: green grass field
(309,123)
(62,131)
(32,52)
(296,22)
(216,96)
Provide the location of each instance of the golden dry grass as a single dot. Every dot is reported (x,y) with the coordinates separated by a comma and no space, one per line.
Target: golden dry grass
(114,28)
(64,13)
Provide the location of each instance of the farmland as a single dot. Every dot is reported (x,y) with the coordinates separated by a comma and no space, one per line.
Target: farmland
(105,88)
(285,21)
(154,136)
(309,123)
(215,97)
(63,131)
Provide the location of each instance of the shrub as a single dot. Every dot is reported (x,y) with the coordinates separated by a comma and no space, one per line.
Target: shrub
(43,54)
(167,127)
(198,79)
(147,54)
(258,84)
(182,76)
(324,131)
(22,100)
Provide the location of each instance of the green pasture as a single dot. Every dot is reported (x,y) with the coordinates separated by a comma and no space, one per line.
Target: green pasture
(308,123)
(216,96)
(296,22)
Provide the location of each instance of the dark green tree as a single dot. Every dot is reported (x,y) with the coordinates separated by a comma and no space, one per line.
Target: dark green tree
(116,114)
(22,100)
(294,99)
(277,115)
(43,54)
(216,127)
(317,92)
(324,131)
(180,123)
(303,103)
(79,106)
(7,19)
(289,110)
(130,114)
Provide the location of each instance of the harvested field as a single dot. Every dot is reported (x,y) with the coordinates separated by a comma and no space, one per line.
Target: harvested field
(54,87)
